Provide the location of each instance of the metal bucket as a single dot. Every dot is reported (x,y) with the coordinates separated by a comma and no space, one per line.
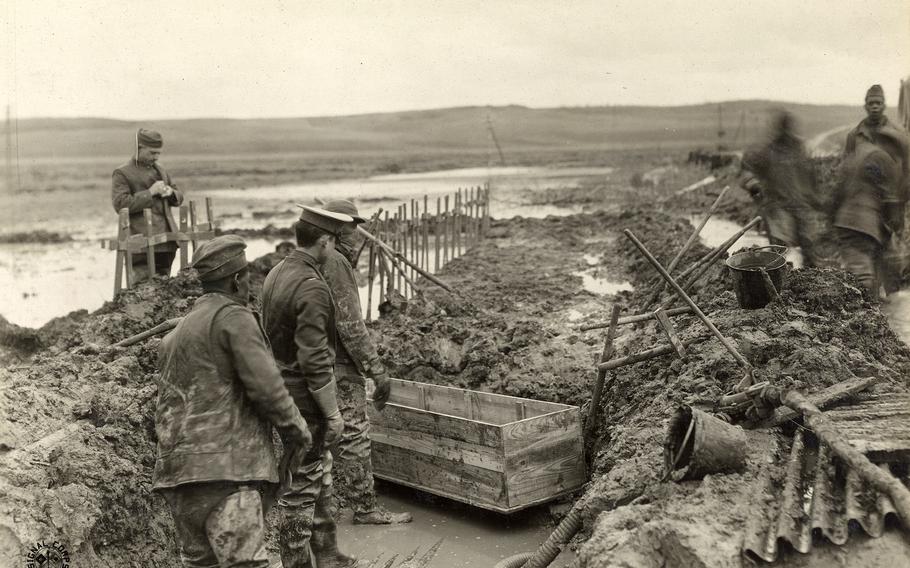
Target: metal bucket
(698,444)
(752,290)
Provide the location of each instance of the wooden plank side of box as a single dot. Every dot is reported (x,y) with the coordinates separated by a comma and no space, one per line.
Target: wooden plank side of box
(444,455)
(474,405)
(544,457)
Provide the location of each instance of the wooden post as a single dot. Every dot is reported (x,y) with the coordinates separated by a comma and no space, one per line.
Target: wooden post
(486,212)
(210,213)
(415,247)
(371,274)
(382,231)
(193,219)
(471,212)
(150,250)
(459,220)
(397,241)
(425,222)
(445,233)
(123,256)
(184,257)
(436,224)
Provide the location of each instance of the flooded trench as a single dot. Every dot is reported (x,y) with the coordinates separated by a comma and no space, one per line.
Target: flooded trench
(473,537)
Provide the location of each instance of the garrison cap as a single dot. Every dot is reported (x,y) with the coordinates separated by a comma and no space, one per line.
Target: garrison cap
(220,257)
(328,221)
(149,138)
(875,91)
(346,207)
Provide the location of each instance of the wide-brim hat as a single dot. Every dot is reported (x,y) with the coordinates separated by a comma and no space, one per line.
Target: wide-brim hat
(328,221)
(346,207)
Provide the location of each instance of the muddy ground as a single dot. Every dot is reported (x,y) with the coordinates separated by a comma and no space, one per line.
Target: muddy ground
(75,460)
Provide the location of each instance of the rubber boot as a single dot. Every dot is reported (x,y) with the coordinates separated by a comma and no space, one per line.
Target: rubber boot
(324,540)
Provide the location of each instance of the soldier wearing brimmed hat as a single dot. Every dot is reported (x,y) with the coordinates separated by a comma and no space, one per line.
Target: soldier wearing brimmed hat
(141,184)
(355,359)
(878,131)
(299,319)
(219,394)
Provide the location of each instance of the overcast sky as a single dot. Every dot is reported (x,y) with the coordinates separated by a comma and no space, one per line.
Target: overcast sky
(259,58)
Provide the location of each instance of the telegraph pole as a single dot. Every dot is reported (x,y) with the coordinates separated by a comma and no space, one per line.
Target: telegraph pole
(502,159)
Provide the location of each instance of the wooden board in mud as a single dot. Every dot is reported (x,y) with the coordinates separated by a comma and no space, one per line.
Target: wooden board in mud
(497,452)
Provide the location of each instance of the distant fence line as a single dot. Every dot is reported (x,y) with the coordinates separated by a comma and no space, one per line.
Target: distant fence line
(427,240)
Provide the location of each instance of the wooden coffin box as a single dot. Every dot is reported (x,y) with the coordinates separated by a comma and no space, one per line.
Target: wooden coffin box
(493,451)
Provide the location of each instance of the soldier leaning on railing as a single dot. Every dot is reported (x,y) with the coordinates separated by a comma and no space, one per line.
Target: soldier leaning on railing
(143,184)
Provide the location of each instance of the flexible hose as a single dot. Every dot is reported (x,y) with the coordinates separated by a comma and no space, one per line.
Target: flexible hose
(566,529)
(550,549)
(516,561)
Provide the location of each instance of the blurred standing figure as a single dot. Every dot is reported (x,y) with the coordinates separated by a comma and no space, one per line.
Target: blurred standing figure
(142,183)
(355,359)
(877,130)
(866,210)
(780,177)
(219,394)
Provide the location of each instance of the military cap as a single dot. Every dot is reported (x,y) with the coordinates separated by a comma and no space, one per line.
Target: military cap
(220,257)
(875,91)
(328,221)
(149,138)
(346,207)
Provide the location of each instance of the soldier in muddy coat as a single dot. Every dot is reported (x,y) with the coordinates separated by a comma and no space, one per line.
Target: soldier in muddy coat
(867,211)
(878,131)
(219,394)
(299,320)
(141,184)
(355,359)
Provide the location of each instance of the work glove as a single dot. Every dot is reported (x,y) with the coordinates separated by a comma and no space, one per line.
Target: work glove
(326,399)
(157,188)
(168,191)
(297,442)
(383,389)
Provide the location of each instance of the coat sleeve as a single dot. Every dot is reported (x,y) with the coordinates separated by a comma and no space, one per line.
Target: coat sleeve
(177,197)
(242,337)
(313,306)
(348,315)
(122,198)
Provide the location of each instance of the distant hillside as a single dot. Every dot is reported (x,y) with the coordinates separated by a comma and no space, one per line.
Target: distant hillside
(461,129)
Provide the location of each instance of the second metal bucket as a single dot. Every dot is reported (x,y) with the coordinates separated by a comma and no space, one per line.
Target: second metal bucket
(751,287)
(698,444)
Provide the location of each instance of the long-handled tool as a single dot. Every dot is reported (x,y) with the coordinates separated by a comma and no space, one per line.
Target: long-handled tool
(162,327)
(685,297)
(689,242)
(394,254)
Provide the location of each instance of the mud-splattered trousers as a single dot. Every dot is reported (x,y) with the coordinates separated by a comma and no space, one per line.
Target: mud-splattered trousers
(221,524)
(352,466)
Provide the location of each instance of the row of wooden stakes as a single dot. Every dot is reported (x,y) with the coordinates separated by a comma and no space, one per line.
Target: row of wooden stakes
(420,242)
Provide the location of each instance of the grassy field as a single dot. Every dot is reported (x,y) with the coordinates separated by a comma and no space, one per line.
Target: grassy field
(79,154)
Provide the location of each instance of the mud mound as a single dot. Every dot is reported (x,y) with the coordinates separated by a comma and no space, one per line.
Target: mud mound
(77,451)
(822,331)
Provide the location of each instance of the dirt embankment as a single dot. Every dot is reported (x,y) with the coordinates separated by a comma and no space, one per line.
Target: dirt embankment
(76,459)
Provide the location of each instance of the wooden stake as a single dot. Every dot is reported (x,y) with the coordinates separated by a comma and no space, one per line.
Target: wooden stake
(665,323)
(646,354)
(210,213)
(393,254)
(184,256)
(602,374)
(445,233)
(150,254)
(436,225)
(193,223)
(425,221)
(637,318)
(123,256)
(371,274)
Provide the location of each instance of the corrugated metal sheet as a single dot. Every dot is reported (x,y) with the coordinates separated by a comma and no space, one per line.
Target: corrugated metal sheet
(805,492)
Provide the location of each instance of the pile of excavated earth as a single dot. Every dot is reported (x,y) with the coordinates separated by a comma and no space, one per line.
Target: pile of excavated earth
(77,455)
